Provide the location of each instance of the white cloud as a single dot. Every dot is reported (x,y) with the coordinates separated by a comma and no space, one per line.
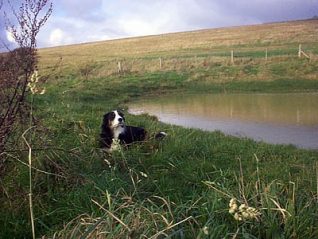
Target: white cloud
(76,21)
(59,37)
(10,37)
(56,37)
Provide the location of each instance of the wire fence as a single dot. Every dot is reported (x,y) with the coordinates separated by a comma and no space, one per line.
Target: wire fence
(187,60)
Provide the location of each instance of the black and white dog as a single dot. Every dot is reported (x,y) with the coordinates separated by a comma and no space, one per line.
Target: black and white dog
(115,132)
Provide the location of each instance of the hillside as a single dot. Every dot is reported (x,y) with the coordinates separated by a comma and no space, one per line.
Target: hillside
(274,35)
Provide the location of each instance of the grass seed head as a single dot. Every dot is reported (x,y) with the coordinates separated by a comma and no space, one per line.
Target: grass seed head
(33,84)
(205,230)
(243,212)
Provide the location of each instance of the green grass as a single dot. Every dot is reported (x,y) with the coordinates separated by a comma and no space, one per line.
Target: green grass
(188,177)
(179,187)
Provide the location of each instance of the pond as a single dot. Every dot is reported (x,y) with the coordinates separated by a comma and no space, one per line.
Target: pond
(273,118)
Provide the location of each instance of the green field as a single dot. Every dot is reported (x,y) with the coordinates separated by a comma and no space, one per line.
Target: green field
(179,187)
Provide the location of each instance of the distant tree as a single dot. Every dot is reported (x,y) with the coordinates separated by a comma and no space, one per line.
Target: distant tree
(17,66)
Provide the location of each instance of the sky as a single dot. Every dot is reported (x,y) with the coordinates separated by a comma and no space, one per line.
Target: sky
(78,21)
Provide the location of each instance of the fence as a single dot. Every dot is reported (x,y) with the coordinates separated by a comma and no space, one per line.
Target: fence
(205,59)
(183,61)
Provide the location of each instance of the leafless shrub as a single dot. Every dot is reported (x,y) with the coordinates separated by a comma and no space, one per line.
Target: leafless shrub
(17,66)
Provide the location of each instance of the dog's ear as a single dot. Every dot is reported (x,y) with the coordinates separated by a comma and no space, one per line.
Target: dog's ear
(107,118)
(105,121)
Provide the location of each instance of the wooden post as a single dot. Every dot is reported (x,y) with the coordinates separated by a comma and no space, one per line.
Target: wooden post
(307,56)
(266,55)
(119,66)
(232,57)
(160,63)
(299,51)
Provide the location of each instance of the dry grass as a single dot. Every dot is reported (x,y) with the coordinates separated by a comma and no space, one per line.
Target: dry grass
(246,38)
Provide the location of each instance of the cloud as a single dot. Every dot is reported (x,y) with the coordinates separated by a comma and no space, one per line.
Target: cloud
(56,37)
(76,21)
(6,39)
(273,10)
(10,37)
(84,9)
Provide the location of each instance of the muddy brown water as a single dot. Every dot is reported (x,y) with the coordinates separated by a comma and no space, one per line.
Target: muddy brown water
(273,118)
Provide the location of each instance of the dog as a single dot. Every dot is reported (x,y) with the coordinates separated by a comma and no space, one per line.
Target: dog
(114,132)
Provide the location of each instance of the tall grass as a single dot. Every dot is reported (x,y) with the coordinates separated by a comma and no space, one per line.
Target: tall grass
(179,187)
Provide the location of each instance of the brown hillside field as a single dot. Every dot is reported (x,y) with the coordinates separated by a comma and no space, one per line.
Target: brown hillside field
(185,50)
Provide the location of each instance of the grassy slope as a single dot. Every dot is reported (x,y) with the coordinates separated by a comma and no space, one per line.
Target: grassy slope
(191,175)
(274,36)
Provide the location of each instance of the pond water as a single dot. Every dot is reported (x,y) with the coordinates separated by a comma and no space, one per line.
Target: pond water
(272,118)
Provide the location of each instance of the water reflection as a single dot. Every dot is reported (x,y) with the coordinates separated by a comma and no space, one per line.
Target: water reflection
(273,118)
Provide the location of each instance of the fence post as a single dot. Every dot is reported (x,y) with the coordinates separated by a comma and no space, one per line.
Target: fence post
(119,67)
(232,57)
(299,51)
(160,63)
(266,55)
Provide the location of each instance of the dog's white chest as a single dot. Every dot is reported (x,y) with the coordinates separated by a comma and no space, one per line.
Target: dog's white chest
(119,130)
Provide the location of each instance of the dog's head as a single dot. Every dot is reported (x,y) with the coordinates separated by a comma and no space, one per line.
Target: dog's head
(114,119)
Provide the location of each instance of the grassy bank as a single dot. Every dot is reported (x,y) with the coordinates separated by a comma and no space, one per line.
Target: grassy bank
(179,187)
